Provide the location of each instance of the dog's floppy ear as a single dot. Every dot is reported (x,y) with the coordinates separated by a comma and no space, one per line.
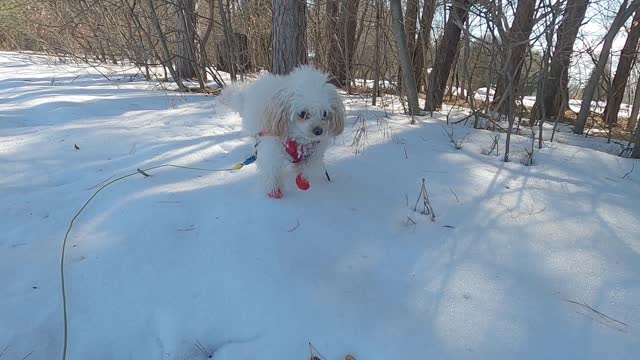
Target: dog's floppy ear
(336,125)
(277,113)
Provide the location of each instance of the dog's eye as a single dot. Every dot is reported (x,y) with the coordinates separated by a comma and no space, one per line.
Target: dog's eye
(303,114)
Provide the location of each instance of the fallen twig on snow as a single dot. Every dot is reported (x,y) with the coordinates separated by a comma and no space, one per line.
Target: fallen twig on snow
(633,165)
(295,227)
(189,228)
(596,311)
(454,194)
(599,321)
(203,349)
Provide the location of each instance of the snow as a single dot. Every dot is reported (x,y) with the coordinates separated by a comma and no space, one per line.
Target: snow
(458,91)
(481,94)
(155,264)
(370,83)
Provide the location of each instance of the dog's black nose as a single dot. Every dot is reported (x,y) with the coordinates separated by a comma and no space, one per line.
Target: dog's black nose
(317,131)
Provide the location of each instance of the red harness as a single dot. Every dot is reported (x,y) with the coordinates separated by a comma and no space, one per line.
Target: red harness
(298,153)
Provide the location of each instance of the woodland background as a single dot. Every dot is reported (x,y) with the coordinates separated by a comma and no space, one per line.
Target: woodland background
(570,61)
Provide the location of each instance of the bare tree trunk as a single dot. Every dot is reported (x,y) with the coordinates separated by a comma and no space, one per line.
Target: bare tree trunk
(558,76)
(185,27)
(376,55)
(466,55)
(635,153)
(362,25)
(165,49)
(446,54)
(405,60)
(349,23)
(627,57)
(203,41)
(549,30)
(228,41)
(410,27)
(452,77)
(631,124)
(288,35)
(518,42)
(410,24)
(621,17)
(342,21)
(331,35)
(424,41)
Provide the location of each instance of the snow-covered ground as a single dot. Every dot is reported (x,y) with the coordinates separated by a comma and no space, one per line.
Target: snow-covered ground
(537,262)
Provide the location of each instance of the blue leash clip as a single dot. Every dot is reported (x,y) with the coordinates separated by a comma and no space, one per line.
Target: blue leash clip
(249,160)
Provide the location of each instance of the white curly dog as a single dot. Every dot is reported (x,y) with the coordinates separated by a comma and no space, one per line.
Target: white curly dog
(293,117)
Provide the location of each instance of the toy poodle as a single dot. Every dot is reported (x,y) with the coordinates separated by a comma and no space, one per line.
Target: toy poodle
(293,118)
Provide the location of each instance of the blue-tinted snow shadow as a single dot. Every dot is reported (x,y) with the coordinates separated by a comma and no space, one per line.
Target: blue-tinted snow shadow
(346,250)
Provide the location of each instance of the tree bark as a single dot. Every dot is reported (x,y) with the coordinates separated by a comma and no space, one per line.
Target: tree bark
(558,77)
(376,55)
(229,48)
(621,17)
(410,29)
(349,24)
(631,124)
(424,40)
(185,28)
(342,21)
(166,62)
(332,37)
(362,25)
(288,35)
(410,24)
(445,55)
(635,153)
(627,56)
(204,40)
(405,60)
(516,45)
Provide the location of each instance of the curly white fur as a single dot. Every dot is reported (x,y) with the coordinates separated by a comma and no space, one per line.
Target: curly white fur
(301,106)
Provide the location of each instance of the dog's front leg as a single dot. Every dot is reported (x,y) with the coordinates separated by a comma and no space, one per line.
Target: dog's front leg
(312,167)
(270,162)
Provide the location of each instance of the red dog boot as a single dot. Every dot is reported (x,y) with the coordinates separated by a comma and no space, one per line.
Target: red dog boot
(276,194)
(302,182)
